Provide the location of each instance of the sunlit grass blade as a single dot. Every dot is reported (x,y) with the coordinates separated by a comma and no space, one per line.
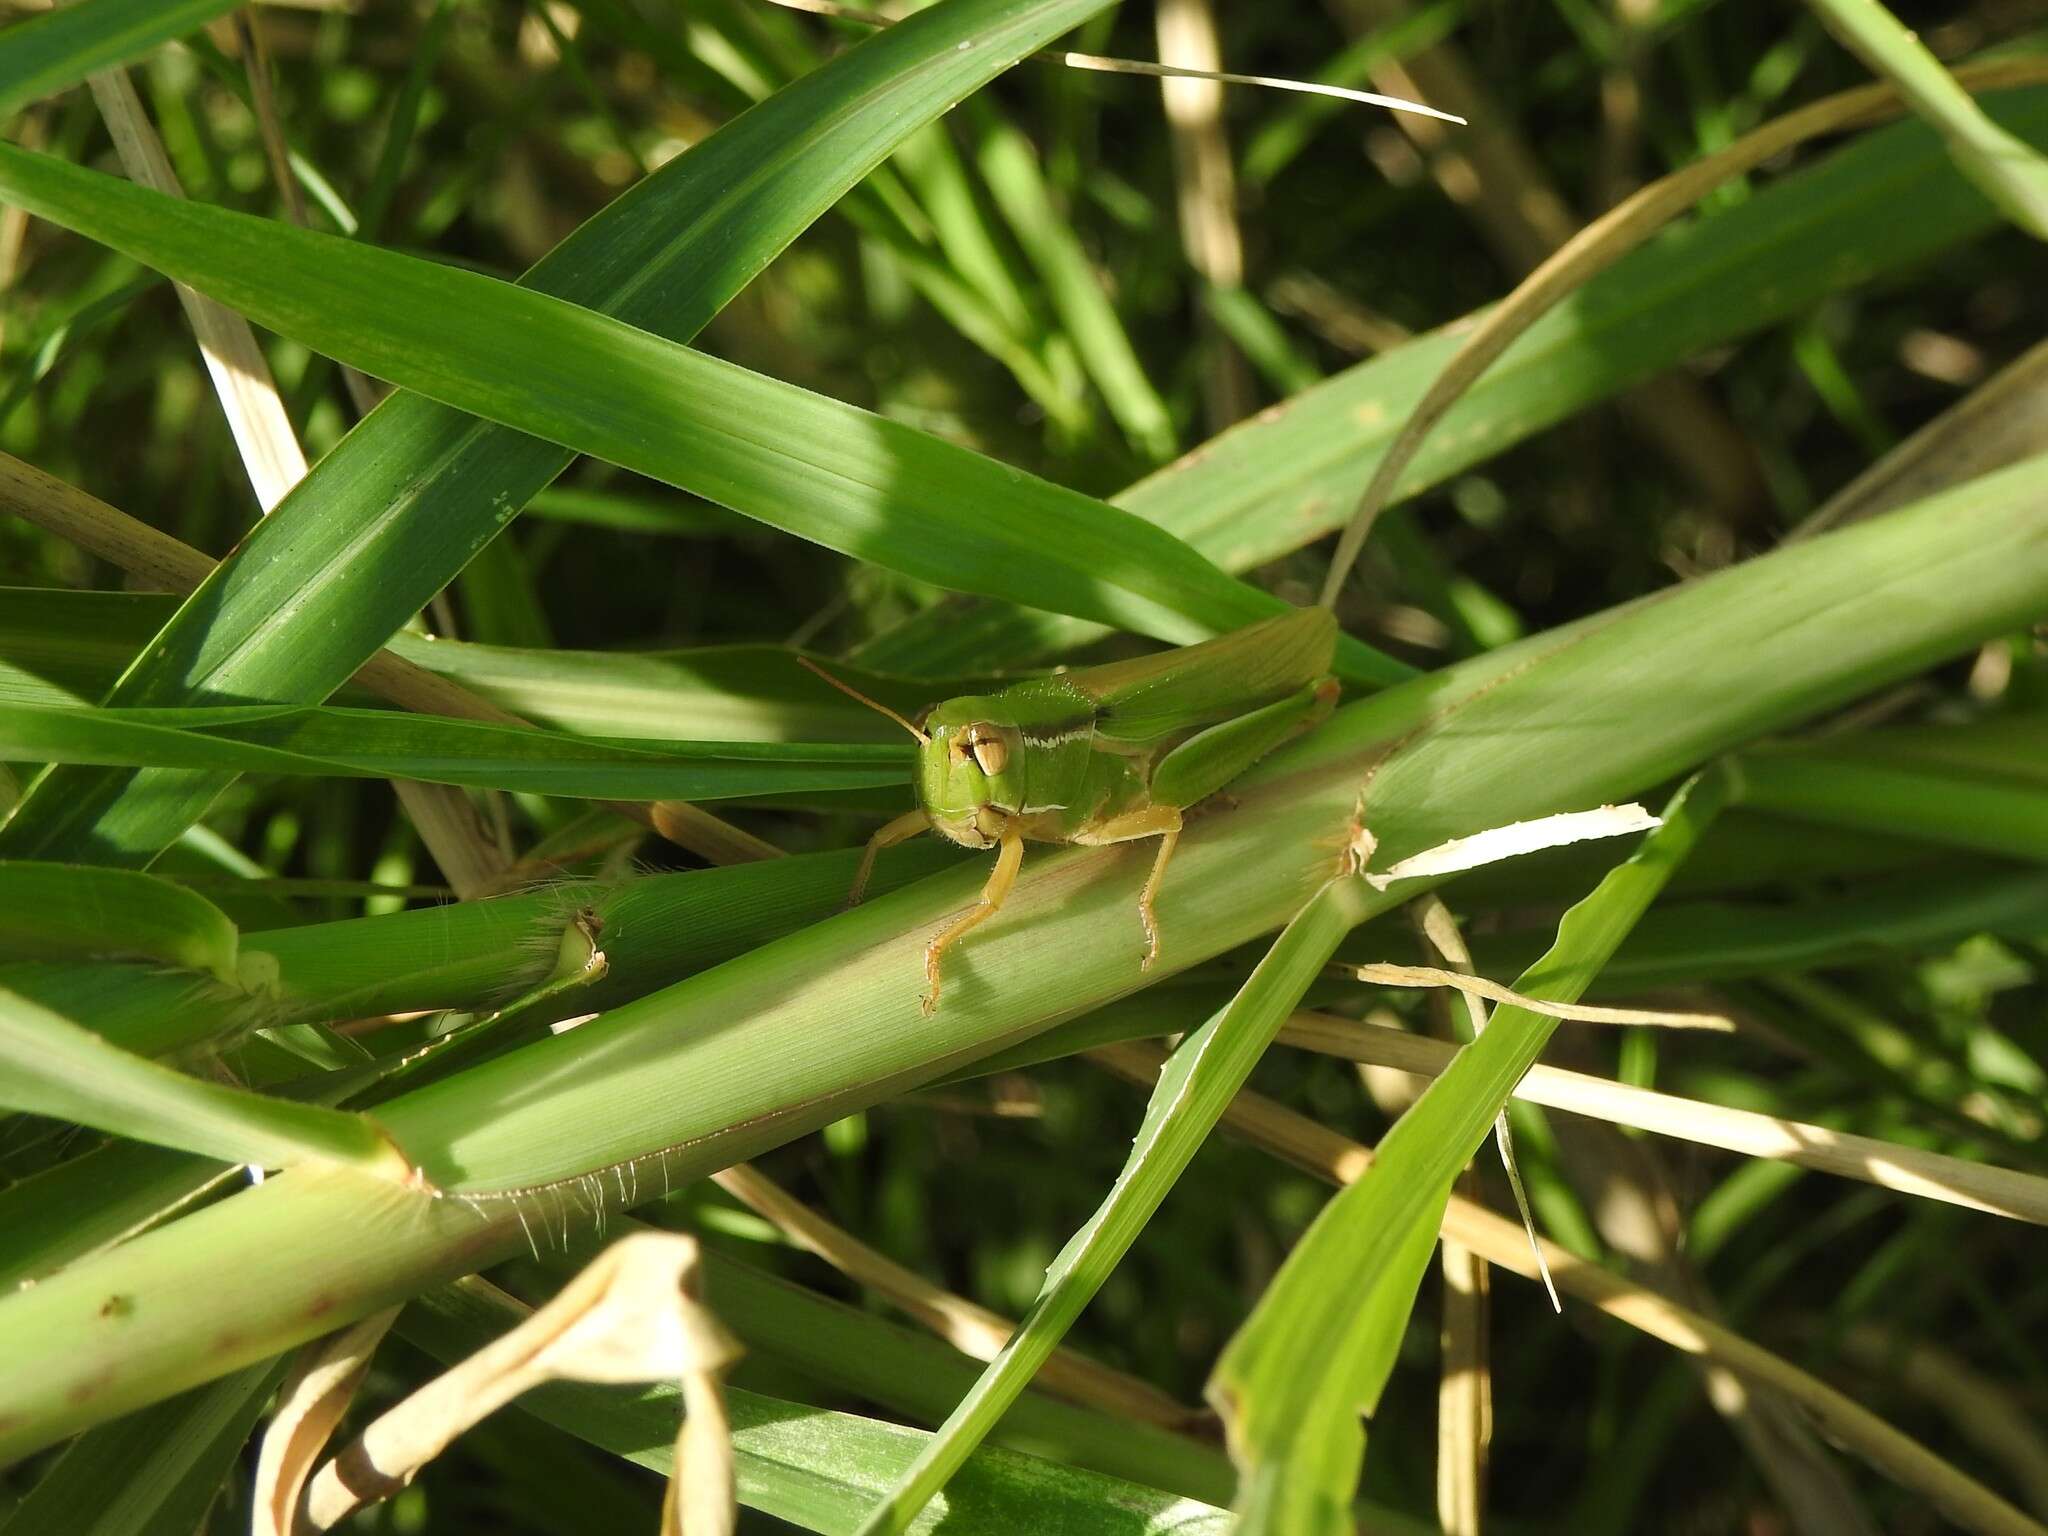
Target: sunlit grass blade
(1204,1074)
(44,54)
(733,1059)
(59,911)
(1288,129)
(824,471)
(371,743)
(2010,173)
(387,518)
(55,1068)
(1316,1353)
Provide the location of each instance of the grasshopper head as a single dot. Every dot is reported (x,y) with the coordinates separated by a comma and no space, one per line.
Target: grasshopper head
(970,773)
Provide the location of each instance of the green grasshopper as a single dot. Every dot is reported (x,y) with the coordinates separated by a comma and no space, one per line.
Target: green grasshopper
(1107,754)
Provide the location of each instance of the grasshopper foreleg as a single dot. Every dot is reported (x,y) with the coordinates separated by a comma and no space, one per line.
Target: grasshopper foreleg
(902,829)
(1008,861)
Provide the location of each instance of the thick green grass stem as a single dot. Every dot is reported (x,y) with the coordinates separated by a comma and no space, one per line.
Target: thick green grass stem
(788,1037)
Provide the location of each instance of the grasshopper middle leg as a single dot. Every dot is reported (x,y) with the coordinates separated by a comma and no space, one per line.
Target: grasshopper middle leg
(1160,821)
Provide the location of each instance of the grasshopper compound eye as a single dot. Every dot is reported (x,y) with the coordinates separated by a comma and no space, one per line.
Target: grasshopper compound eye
(991,752)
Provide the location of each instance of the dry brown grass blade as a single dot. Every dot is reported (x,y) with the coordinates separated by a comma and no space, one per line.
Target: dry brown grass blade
(1606,240)
(2002,421)
(1320,1151)
(165,564)
(1628,1195)
(1339,318)
(633,1315)
(241,377)
(1464,1394)
(1908,1170)
(323,1382)
(1205,192)
(1440,930)
(973,1330)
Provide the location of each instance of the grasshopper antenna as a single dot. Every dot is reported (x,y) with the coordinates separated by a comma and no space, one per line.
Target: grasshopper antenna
(855,694)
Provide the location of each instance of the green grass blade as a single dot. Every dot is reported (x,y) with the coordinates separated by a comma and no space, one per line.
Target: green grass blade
(61,648)
(377,744)
(820,1470)
(933,168)
(2006,170)
(796,1034)
(95,1200)
(1199,1081)
(1317,1351)
(1704,941)
(468,955)
(1272,484)
(45,54)
(968,283)
(834,474)
(1009,166)
(153,1472)
(56,911)
(387,518)
(54,1067)
(1842,787)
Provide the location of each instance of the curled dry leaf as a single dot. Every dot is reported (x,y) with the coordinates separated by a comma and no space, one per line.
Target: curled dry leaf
(634,1315)
(322,1385)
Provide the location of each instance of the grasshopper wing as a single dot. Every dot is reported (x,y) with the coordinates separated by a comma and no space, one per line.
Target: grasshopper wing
(1154,698)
